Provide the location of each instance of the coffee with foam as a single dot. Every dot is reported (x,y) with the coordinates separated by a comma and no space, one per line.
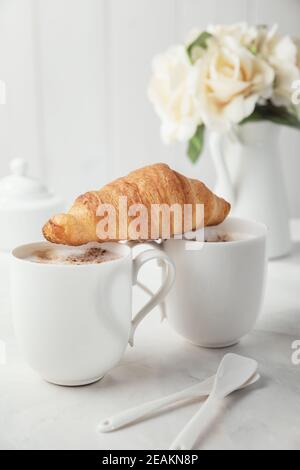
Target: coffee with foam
(89,254)
(216,236)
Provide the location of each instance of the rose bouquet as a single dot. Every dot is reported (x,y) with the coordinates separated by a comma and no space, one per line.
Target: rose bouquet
(224,77)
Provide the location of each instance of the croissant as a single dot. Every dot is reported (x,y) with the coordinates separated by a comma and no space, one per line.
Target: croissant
(144,189)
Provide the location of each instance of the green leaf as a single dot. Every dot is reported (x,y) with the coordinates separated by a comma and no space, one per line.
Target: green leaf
(196,144)
(200,41)
(276,114)
(253,49)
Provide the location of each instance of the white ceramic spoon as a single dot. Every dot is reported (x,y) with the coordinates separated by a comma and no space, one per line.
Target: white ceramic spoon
(145,410)
(233,372)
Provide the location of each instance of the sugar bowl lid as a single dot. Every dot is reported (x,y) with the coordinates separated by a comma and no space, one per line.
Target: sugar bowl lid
(19,189)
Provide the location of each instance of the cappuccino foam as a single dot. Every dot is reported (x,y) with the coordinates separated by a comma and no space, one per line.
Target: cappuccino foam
(215,235)
(91,254)
(225,237)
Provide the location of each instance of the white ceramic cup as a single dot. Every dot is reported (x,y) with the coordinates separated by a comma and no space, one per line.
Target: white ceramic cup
(73,322)
(219,288)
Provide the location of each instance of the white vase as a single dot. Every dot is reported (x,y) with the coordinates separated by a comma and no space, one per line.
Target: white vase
(249,175)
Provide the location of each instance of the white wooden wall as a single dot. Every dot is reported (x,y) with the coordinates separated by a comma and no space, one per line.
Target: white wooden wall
(77,73)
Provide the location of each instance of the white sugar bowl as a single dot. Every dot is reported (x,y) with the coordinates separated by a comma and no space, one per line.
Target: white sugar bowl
(25,206)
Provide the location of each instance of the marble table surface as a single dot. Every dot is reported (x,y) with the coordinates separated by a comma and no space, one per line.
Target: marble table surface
(38,415)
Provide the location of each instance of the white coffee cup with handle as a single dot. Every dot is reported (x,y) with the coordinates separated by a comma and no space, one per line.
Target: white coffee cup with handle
(73,322)
(220,285)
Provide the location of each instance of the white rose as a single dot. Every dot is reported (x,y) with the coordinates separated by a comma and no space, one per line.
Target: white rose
(229,81)
(172,95)
(244,34)
(281,52)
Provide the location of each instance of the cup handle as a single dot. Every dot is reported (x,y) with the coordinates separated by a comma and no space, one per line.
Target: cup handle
(138,262)
(161,264)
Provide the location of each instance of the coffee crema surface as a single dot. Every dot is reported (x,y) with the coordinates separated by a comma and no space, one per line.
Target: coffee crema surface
(213,235)
(225,237)
(73,256)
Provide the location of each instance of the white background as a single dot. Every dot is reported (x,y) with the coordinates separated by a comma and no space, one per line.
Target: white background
(77,72)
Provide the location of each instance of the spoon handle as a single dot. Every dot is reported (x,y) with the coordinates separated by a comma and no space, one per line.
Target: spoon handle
(190,433)
(145,410)
(188,436)
(133,414)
